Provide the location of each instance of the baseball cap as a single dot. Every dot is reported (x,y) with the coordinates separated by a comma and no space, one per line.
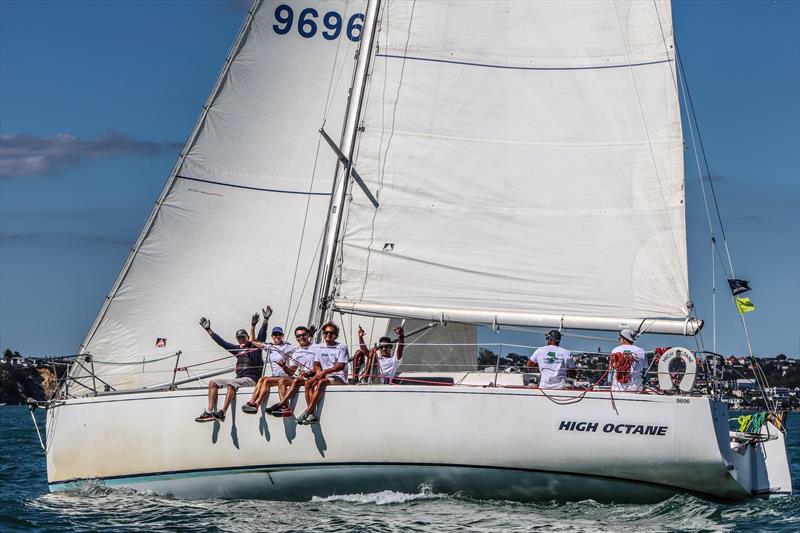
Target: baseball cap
(628,334)
(241,333)
(277,330)
(553,334)
(383,341)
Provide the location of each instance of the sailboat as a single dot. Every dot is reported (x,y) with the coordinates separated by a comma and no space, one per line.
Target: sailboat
(447,164)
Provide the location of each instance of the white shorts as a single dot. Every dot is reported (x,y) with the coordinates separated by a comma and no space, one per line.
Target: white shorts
(235,382)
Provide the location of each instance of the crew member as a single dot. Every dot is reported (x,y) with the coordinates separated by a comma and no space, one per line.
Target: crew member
(387,361)
(330,366)
(302,367)
(628,363)
(553,361)
(249,365)
(279,356)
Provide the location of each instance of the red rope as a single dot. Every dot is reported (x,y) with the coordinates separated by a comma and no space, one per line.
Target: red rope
(622,364)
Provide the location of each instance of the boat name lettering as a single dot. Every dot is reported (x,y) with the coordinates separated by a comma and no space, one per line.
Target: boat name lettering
(622,429)
(307,23)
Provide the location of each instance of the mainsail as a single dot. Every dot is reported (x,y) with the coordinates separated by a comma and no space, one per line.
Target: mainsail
(240,221)
(527,159)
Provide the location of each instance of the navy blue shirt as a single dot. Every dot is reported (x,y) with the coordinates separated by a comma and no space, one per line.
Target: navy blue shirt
(249,362)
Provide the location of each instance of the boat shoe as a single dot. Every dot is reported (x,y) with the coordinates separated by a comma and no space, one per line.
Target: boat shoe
(205,417)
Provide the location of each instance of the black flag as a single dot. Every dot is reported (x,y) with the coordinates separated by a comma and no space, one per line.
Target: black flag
(738,286)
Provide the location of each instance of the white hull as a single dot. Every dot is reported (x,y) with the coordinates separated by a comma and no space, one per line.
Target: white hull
(483,442)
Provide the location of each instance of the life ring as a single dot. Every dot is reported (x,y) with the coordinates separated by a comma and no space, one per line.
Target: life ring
(687,381)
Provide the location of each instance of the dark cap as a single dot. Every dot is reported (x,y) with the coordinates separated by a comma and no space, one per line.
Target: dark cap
(384,341)
(241,333)
(277,330)
(553,335)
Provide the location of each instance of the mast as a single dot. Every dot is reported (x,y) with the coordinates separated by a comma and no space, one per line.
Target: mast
(320,307)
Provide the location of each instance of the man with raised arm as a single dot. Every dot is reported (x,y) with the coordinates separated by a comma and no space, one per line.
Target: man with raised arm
(302,368)
(387,361)
(279,357)
(628,363)
(553,361)
(362,366)
(330,367)
(249,365)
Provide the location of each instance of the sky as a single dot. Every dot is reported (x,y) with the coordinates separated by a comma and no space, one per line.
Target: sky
(98,97)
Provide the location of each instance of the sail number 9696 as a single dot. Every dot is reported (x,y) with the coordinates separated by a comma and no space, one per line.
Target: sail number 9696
(308,23)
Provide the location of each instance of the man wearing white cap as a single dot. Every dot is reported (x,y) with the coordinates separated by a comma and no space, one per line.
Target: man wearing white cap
(628,362)
(553,362)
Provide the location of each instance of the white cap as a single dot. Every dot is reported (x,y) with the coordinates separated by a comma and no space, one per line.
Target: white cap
(628,334)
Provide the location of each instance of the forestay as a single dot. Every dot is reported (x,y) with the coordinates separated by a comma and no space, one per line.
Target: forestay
(240,221)
(528,162)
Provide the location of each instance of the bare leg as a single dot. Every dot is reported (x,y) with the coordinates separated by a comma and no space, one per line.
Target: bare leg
(358,361)
(257,390)
(319,390)
(368,370)
(311,385)
(282,386)
(231,394)
(213,390)
(290,390)
(268,382)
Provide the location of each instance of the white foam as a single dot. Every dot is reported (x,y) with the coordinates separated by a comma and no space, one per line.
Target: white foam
(384,497)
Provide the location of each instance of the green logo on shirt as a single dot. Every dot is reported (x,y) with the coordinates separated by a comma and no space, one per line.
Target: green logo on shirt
(551,358)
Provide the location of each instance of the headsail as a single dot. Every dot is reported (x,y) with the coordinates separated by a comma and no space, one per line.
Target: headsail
(240,221)
(528,162)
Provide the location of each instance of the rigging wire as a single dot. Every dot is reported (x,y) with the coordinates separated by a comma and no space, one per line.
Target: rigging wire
(727,269)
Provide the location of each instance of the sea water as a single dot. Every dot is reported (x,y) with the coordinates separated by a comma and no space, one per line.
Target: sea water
(26,504)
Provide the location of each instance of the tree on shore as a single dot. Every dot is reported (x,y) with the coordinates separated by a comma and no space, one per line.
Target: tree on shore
(8,355)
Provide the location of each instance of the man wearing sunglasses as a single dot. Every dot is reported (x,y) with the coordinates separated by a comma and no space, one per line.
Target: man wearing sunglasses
(387,361)
(330,366)
(302,365)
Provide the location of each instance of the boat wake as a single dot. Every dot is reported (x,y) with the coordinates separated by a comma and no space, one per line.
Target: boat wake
(384,497)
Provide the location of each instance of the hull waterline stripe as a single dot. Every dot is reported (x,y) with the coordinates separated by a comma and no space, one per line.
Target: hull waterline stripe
(196,472)
(250,188)
(512,67)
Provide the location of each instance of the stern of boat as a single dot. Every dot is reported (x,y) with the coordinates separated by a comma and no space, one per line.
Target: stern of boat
(758,460)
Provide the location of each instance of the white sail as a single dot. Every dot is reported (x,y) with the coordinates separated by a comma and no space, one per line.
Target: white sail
(239,223)
(528,162)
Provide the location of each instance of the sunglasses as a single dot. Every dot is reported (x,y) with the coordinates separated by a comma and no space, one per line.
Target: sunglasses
(277,334)
(298,335)
(329,332)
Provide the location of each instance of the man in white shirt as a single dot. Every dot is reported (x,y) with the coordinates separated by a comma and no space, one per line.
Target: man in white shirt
(553,362)
(301,365)
(330,365)
(387,361)
(628,363)
(279,357)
